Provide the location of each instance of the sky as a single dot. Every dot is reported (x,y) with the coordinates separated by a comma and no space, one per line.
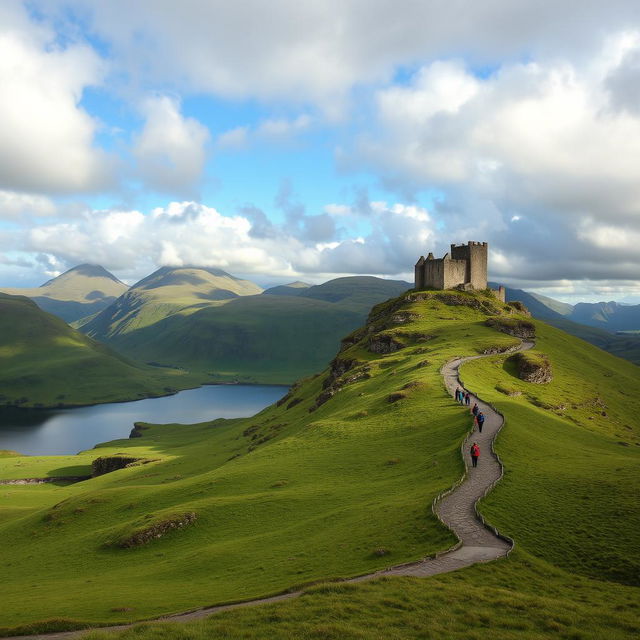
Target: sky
(306,140)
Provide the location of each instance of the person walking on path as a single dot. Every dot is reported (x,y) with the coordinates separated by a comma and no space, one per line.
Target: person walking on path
(467,398)
(461,398)
(475,410)
(480,421)
(475,454)
(458,394)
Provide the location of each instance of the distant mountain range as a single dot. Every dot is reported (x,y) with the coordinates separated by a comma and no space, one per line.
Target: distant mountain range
(77,293)
(599,323)
(229,329)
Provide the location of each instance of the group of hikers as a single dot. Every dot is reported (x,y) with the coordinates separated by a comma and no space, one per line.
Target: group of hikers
(464,398)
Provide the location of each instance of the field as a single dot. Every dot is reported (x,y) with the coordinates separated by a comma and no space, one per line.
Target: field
(291,497)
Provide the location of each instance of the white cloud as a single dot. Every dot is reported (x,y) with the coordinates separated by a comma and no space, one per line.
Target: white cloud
(536,143)
(192,233)
(16,205)
(171,149)
(236,138)
(46,138)
(316,52)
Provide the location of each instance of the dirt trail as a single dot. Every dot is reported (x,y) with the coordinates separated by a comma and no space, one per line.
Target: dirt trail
(456,508)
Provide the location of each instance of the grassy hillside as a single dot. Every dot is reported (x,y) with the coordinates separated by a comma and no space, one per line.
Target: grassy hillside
(338,481)
(561,315)
(79,292)
(266,338)
(166,292)
(44,362)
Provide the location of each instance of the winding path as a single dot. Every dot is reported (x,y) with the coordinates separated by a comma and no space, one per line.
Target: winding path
(456,508)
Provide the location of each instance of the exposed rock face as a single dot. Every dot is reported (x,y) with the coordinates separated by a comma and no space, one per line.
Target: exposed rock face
(519,307)
(157,530)
(343,371)
(107,464)
(534,368)
(384,343)
(513,326)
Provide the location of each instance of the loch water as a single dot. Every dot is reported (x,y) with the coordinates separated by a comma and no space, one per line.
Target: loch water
(67,431)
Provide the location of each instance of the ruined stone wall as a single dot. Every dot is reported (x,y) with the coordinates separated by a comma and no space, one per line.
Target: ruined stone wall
(454,273)
(419,274)
(434,271)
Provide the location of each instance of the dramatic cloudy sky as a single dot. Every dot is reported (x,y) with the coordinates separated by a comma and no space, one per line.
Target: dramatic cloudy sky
(307,139)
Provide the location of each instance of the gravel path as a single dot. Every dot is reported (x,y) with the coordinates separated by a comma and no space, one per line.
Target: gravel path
(478,542)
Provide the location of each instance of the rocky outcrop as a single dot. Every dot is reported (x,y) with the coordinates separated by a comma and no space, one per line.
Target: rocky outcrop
(157,530)
(533,367)
(138,428)
(516,327)
(384,343)
(107,464)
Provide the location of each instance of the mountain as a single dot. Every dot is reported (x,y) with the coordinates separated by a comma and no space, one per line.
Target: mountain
(594,323)
(47,363)
(261,338)
(291,289)
(607,315)
(336,480)
(166,292)
(79,292)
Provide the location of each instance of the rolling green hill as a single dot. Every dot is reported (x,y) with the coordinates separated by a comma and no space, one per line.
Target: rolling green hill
(44,362)
(166,292)
(259,338)
(336,480)
(79,292)
(291,289)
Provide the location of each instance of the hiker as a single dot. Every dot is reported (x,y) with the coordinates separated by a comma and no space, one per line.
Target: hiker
(467,398)
(458,394)
(461,396)
(480,421)
(475,410)
(475,454)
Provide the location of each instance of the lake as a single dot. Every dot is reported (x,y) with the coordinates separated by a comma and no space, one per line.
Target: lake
(67,431)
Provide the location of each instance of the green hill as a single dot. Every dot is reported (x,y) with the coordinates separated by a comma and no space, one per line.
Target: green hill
(44,362)
(291,289)
(79,292)
(336,480)
(166,292)
(259,338)
(563,316)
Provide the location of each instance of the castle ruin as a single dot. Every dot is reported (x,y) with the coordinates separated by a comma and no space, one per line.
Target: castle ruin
(465,267)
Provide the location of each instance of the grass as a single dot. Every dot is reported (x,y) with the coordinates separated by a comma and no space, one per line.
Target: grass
(523,599)
(292,496)
(46,363)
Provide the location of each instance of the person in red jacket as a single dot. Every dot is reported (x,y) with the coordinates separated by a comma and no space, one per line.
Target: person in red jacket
(475,454)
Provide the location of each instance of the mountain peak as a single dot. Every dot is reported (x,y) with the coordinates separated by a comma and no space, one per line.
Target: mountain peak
(86,270)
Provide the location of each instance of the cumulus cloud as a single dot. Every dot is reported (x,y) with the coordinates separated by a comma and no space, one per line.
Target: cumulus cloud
(46,137)
(13,206)
(531,157)
(316,52)
(171,149)
(191,233)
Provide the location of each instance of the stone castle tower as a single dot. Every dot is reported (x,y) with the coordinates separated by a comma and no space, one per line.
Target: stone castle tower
(465,267)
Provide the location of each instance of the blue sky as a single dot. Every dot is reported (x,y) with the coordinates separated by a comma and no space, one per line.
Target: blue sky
(289,140)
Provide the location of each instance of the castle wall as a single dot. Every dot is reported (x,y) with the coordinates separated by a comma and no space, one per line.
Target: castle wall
(454,273)
(476,256)
(419,274)
(434,274)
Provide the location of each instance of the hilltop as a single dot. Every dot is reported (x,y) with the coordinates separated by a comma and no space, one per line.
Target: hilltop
(164,293)
(79,292)
(274,337)
(47,363)
(335,480)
